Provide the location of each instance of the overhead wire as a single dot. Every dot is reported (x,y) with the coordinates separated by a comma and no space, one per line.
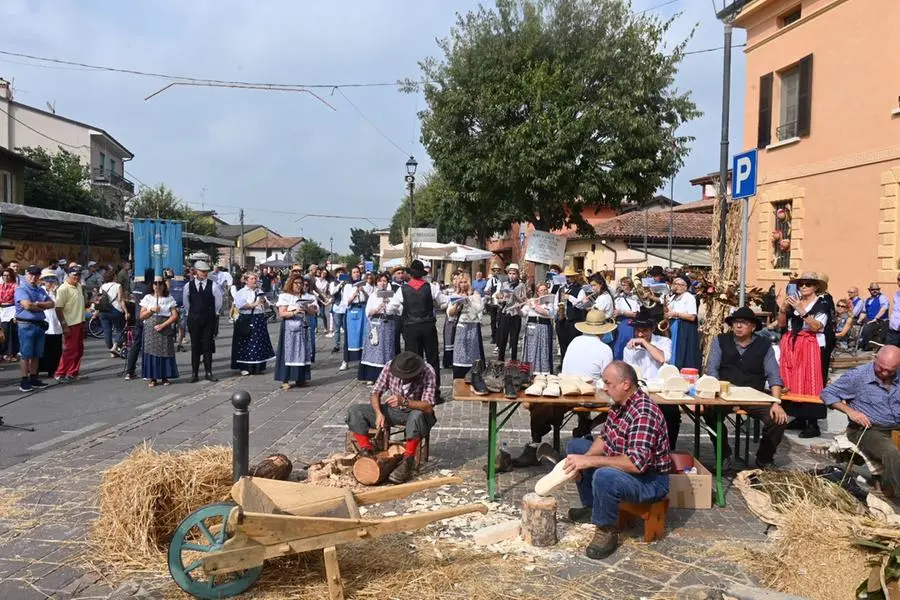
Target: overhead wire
(369,121)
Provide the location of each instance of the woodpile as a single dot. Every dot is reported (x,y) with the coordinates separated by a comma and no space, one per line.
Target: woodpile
(334,471)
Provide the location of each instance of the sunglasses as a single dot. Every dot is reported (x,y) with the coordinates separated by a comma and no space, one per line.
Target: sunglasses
(842,306)
(806,283)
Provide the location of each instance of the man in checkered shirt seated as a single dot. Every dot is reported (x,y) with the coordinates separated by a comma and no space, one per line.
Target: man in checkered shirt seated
(628,462)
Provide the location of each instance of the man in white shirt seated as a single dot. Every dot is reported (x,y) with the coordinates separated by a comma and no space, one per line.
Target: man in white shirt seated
(587,356)
(647,353)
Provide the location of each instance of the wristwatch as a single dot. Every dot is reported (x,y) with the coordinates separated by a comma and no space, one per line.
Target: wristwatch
(404,403)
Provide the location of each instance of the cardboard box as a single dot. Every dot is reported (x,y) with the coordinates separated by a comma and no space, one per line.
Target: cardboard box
(691,491)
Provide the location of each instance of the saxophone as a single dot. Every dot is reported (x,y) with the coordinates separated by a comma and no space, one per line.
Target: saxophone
(645,297)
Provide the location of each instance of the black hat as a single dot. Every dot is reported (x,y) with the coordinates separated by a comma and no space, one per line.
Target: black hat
(33,270)
(407,365)
(644,319)
(746,314)
(656,271)
(417,269)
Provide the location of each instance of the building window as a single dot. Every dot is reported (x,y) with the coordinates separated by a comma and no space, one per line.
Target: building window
(578,264)
(112,167)
(791,16)
(102,162)
(790,102)
(6,186)
(781,236)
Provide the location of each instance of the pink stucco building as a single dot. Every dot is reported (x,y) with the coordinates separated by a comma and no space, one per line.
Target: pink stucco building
(823,107)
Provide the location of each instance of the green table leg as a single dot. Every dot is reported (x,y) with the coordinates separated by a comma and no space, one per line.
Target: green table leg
(492,451)
(720,486)
(697,431)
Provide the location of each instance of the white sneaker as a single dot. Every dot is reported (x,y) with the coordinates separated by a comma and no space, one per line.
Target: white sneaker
(329,335)
(343,366)
(245,373)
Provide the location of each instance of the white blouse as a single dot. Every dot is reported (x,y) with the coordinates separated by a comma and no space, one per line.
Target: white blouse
(603,302)
(292,301)
(166,304)
(628,303)
(347,292)
(245,296)
(55,328)
(471,310)
(820,317)
(374,304)
(685,303)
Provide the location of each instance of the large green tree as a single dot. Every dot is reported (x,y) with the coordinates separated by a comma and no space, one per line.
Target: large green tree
(540,108)
(63,184)
(311,252)
(160,202)
(363,242)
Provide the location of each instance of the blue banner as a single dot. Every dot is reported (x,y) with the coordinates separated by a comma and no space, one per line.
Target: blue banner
(157,246)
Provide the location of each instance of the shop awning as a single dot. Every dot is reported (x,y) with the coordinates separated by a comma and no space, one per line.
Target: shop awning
(469,254)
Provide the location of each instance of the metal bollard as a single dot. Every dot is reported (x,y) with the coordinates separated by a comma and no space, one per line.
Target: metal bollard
(240,439)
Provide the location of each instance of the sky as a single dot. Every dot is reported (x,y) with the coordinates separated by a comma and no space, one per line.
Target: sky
(284,155)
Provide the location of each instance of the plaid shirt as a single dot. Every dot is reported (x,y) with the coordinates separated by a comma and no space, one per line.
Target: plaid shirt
(637,429)
(420,389)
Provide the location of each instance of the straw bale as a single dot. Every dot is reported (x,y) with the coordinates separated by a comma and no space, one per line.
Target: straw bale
(143,498)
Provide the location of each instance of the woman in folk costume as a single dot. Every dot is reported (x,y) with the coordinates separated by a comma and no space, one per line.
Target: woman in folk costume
(804,350)
(251,347)
(681,311)
(159,312)
(309,293)
(354,298)
(539,331)
(627,306)
(53,338)
(381,331)
(466,315)
(455,295)
(294,359)
(597,296)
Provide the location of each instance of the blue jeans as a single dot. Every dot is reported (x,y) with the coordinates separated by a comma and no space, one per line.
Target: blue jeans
(340,319)
(112,323)
(603,489)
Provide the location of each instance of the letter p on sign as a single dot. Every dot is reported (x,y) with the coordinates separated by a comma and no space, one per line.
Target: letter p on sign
(743,179)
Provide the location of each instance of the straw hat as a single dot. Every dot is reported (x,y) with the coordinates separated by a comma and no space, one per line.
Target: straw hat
(48,273)
(512,267)
(570,272)
(596,323)
(821,284)
(495,266)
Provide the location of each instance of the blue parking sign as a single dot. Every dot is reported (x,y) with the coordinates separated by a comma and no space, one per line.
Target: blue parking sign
(743,175)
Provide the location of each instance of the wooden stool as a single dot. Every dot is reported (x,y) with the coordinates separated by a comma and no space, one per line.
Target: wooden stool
(653,515)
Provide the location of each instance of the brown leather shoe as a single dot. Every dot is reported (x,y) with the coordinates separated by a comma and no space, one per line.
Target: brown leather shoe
(404,471)
(605,542)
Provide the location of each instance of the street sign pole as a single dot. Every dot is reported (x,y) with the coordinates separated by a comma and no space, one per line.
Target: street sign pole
(743,187)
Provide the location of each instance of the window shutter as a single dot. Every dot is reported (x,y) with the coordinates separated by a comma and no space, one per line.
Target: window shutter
(804,96)
(764,135)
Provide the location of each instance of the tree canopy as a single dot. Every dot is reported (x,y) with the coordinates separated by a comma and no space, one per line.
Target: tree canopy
(539,108)
(64,184)
(160,202)
(311,252)
(363,242)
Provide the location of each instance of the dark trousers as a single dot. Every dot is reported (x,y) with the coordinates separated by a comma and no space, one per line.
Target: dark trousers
(135,350)
(873,331)
(202,331)
(361,418)
(876,443)
(672,414)
(892,337)
(508,329)
(422,338)
(566,332)
(492,311)
(772,434)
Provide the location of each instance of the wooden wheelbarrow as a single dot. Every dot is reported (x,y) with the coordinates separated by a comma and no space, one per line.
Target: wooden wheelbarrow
(218,550)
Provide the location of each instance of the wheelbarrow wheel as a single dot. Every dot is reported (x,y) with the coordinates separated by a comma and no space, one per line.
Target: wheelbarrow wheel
(201,532)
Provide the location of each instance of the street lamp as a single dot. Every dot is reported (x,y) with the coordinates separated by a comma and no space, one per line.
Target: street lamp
(411,165)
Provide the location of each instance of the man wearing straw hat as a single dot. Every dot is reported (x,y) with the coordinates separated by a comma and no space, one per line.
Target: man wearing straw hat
(744,359)
(509,319)
(589,357)
(490,288)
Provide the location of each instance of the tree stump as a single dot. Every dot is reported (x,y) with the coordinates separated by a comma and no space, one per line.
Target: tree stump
(539,520)
(373,471)
(275,466)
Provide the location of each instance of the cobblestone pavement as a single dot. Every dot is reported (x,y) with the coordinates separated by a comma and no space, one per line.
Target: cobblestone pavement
(48,502)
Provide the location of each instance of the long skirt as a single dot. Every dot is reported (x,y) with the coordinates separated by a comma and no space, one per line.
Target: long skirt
(356,332)
(292,363)
(624,333)
(449,341)
(158,358)
(251,352)
(313,321)
(11,344)
(375,357)
(467,348)
(685,344)
(801,371)
(539,347)
(52,353)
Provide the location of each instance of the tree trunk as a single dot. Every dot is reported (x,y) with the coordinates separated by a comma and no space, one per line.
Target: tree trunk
(539,520)
(375,470)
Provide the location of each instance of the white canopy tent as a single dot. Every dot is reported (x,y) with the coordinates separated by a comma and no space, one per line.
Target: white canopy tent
(422,251)
(469,254)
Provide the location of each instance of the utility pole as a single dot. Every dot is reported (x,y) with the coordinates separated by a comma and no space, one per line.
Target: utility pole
(331,250)
(242,237)
(671,215)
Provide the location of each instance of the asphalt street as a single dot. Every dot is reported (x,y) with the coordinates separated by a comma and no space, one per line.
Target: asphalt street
(62,414)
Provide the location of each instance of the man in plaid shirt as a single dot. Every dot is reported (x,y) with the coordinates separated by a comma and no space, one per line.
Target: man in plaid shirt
(411,385)
(628,462)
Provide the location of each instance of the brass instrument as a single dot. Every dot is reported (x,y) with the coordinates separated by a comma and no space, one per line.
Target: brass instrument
(647,299)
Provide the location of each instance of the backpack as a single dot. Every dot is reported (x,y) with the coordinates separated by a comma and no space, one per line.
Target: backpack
(104,304)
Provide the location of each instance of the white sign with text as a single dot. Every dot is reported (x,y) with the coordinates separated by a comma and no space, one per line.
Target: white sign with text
(545,248)
(422,235)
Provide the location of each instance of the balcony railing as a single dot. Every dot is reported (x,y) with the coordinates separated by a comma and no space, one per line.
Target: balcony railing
(104,177)
(786,131)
